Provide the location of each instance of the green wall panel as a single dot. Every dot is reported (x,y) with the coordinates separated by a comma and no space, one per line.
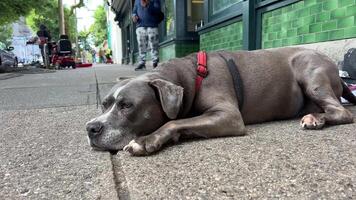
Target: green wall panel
(177,50)
(227,38)
(186,48)
(167,52)
(309,21)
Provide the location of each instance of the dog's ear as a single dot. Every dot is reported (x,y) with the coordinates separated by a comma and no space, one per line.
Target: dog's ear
(171,96)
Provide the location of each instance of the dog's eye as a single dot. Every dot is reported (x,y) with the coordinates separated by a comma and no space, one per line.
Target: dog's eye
(123,105)
(127,105)
(105,104)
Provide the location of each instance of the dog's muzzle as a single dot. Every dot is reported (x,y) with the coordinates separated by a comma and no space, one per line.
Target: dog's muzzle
(94,128)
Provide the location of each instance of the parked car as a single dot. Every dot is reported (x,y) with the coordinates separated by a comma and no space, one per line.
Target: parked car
(7,58)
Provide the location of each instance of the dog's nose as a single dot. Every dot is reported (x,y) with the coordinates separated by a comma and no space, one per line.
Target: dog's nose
(94,128)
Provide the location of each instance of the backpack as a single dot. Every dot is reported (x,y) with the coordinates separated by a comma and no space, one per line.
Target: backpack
(350,62)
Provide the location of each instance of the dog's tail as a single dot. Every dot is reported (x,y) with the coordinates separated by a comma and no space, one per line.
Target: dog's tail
(347,94)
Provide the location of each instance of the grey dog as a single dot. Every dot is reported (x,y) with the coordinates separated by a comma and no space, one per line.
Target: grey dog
(143,113)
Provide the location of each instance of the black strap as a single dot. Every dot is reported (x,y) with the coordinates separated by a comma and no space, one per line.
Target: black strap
(236,78)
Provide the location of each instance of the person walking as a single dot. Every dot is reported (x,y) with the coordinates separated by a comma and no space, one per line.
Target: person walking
(101,55)
(147,15)
(93,55)
(44,37)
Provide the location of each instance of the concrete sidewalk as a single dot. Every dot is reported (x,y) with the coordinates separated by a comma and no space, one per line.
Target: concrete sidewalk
(276,160)
(44,152)
(44,155)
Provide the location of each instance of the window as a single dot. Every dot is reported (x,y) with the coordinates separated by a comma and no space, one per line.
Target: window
(221,8)
(169,16)
(220,5)
(195,14)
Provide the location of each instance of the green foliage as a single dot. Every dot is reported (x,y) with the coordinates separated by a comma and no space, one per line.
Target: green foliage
(6,34)
(84,40)
(50,18)
(99,29)
(11,10)
(70,24)
(78,5)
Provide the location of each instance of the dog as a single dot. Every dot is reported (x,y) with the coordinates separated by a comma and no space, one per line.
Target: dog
(143,113)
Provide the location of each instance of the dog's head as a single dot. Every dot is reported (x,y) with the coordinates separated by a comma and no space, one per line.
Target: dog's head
(133,108)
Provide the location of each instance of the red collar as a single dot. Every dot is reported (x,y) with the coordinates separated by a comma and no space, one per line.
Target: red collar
(202,70)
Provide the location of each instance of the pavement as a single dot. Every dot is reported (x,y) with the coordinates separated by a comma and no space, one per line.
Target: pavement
(44,152)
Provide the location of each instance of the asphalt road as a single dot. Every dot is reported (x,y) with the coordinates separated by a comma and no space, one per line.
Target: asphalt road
(44,152)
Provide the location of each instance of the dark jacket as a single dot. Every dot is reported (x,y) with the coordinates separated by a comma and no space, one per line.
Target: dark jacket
(147,17)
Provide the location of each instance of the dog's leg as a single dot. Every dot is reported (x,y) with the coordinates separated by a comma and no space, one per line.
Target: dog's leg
(216,122)
(318,88)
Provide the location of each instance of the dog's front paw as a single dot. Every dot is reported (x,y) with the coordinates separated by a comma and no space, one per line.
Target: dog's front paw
(312,122)
(135,149)
(143,146)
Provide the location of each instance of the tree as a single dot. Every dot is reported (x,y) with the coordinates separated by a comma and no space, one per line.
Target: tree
(6,34)
(98,29)
(84,37)
(78,5)
(12,10)
(49,17)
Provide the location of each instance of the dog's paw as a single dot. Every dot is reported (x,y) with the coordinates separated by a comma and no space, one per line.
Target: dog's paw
(143,146)
(311,122)
(135,149)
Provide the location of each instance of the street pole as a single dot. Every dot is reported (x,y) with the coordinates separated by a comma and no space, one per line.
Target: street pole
(76,31)
(61,18)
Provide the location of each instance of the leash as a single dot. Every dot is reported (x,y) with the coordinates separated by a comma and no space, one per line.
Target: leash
(236,78)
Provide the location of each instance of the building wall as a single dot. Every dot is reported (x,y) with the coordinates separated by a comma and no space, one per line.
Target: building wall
(167,52)
(336,49)
(300,23)
(309,21)
(227,38)
(21,34)
(177,50)
(114,37)
(116,43)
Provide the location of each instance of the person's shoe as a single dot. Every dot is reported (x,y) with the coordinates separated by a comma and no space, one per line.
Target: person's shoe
(140,67)
(155,63)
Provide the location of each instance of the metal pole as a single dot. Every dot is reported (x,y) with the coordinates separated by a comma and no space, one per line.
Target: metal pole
(61,18)
(76,32)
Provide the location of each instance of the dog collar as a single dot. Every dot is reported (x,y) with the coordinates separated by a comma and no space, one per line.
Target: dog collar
(202,69)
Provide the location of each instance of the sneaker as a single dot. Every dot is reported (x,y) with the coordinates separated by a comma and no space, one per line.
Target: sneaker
(140,67)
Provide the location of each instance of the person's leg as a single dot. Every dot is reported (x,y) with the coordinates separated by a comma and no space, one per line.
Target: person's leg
(153,39)
(141,33)
(42,53)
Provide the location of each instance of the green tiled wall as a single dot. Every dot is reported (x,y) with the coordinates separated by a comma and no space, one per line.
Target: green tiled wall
(167,52)
(309,21)
(228,38)
(186,48)
(177,50)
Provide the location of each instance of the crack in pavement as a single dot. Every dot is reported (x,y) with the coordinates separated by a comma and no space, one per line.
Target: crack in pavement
(98,98)
(119,178)
(118,174)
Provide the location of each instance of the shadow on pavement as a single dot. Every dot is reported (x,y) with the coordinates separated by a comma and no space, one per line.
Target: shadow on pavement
(11,72)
